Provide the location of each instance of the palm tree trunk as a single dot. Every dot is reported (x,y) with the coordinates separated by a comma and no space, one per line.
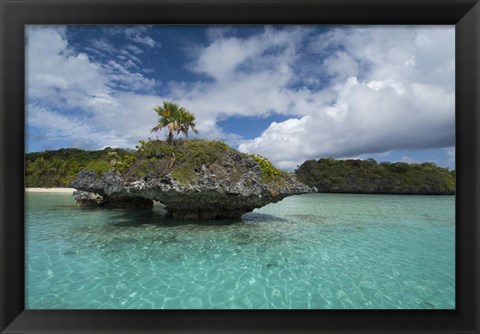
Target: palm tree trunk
(170,138)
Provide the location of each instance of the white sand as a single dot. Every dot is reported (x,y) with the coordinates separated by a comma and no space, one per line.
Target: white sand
(50,190)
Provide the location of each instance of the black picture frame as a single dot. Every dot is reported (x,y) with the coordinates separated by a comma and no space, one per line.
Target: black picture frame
(464,14)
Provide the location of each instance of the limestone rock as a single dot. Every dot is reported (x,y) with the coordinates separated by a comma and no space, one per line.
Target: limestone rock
(87,199)
(227,188)
(90,199)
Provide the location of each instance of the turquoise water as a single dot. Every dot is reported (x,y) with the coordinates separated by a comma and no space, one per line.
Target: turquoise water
(315,251)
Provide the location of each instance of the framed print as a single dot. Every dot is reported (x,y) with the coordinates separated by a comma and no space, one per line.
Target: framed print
(239,166)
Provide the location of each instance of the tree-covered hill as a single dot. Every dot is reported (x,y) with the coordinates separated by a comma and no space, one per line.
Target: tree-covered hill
(367,176)
(56,168)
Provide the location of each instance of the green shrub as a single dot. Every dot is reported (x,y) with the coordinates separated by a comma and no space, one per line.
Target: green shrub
(184,175)
(125,163)
(191,153)
(99,166)
(180,158)
(269,171)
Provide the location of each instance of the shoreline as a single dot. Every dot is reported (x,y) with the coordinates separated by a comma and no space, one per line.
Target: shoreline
(50,190)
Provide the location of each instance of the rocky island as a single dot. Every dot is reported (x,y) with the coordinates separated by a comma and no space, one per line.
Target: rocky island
(194,179)
(369,177)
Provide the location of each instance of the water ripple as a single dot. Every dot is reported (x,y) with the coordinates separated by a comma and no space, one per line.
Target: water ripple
(319,251)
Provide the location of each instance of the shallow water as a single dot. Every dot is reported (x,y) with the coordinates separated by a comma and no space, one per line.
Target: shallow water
(318,251)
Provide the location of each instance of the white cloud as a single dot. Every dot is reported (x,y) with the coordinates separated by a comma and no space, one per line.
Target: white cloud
(51,67)
(103,45)
(401,98)
(341,64)
(347,91)
(68,91)
(79,133)
(227,59)
(121,76)
(137,35)
(287,138)
(134,49)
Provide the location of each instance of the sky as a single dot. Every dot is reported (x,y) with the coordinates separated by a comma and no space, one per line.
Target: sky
(289,93)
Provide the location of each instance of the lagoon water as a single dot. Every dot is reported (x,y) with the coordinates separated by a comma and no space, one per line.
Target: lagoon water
(313,251)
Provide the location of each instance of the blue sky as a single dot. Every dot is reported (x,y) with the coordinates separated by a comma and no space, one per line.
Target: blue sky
(289,93)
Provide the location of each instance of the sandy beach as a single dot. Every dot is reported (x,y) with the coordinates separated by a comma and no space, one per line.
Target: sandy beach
(50,190)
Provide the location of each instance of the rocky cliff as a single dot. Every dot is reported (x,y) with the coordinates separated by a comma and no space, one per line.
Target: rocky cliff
(194,180)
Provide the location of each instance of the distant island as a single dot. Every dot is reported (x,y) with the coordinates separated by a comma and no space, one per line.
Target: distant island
(369,177)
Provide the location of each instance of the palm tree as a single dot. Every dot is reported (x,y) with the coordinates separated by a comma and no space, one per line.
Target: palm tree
(186,121)
(166,119)
(38,167)
(175,119)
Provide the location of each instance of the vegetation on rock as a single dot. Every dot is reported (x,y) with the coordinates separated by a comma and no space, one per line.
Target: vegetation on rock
(271,175)
(269,171)
(368,176)
(151,158)
(158,158)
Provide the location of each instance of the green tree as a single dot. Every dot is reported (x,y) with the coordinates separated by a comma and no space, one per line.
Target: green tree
(99,166)
(186,122)
(57,171)
(38,167)
(175,120)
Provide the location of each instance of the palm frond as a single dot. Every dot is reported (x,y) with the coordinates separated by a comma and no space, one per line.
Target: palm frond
(175,119)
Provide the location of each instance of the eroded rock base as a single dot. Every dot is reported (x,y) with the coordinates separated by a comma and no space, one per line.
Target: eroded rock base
(87,199)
